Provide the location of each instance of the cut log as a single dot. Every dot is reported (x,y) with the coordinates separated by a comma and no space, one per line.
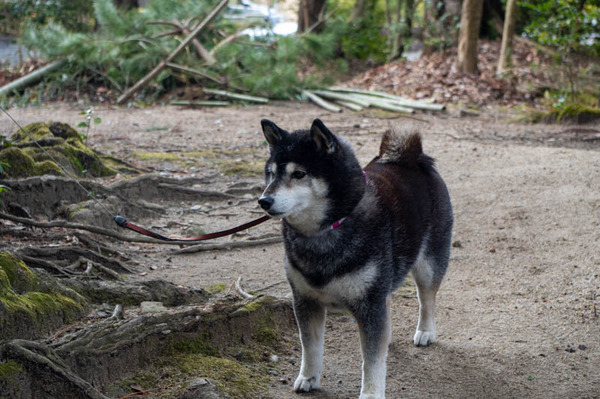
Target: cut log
(426,104)
(341,97)
(200,103)
(352,106)
(320,102)
(235,96)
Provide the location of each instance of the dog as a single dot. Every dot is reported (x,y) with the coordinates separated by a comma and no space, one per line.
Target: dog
(351,236)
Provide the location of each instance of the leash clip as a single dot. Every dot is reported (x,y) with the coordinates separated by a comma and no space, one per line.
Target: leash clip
(120,221)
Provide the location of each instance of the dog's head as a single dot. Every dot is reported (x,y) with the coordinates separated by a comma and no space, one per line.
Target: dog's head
(310,177)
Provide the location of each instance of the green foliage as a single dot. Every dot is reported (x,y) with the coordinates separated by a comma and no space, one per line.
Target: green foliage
(125,47)
(569,25)
(365,38)
(72,14)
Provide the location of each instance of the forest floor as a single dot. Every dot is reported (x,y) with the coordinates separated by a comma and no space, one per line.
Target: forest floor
(517,314)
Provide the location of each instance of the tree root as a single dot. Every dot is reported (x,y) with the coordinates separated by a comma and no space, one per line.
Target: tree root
(86,362)
(27,352)
(73,254)
(228,245)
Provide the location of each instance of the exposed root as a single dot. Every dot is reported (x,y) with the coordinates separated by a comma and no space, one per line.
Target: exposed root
(238,288)
(228,245)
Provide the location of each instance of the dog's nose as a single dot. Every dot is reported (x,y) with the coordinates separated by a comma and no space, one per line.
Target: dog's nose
(266,202)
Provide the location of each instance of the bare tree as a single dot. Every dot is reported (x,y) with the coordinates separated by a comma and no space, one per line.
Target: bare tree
(510,19)
(470,22)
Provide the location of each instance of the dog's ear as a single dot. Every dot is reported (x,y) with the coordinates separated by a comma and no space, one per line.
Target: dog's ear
(273,133)
(323,138)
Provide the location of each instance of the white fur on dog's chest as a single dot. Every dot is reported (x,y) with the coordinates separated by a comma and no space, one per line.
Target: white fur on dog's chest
(340,290)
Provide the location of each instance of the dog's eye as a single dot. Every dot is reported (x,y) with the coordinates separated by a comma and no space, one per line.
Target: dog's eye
(298,175)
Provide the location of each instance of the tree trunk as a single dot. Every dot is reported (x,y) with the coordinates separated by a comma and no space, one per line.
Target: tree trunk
(308,13)
(470,22)
(510,19)
(361,9)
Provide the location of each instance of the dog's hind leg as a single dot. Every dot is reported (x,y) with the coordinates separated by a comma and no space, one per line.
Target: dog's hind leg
(427,287)
(310,316)
(375,334)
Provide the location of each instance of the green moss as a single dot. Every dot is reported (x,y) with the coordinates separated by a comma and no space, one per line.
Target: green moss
(21,278)
(37,130)
(47,168)
(219,159)
(86,161)
(159,156)
(71,154)
(24,309)
(230,376)
(38,306)
(578,113)
(244,169)
(64,131)
(215,289)
(197,345)
(20,163)
(569,113)
(266,334)
(253,306)
(9,374)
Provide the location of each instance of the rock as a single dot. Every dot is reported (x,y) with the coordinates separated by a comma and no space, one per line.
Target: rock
(199,382)
(152,307)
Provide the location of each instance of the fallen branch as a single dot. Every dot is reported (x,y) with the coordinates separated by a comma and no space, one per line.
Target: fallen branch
(158,69)
(341,97)
(243,97)
(320,102)
(201,103)
(31,78)
(397,100)
(196,72)
(227,245)
(350,105)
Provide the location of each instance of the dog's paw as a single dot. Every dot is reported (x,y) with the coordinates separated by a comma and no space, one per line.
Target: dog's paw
(424,338)
(304,384)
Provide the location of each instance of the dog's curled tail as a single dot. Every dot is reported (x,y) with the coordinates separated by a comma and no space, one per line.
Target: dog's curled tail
(405,148)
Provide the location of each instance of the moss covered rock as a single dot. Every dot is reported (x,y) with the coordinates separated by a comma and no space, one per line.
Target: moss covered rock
(20,277)
(29,306)
(20,164)
(59,140)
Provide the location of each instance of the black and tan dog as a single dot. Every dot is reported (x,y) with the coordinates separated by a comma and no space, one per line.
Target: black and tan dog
(352,236)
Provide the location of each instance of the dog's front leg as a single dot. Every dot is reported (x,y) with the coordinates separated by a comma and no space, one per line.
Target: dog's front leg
(310,316)
(374,325)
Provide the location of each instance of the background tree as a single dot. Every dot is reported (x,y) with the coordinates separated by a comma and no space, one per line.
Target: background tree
(470,22)
(309,12)
(510,20)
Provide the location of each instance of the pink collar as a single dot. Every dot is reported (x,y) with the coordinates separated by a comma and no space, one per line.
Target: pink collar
(339,222)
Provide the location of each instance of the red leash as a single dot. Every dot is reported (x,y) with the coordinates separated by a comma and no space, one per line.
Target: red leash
(122,222)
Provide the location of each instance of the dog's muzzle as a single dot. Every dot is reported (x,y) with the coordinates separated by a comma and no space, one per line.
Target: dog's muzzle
(266,202)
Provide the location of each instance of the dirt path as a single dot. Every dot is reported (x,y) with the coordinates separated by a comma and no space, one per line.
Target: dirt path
(518,313)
